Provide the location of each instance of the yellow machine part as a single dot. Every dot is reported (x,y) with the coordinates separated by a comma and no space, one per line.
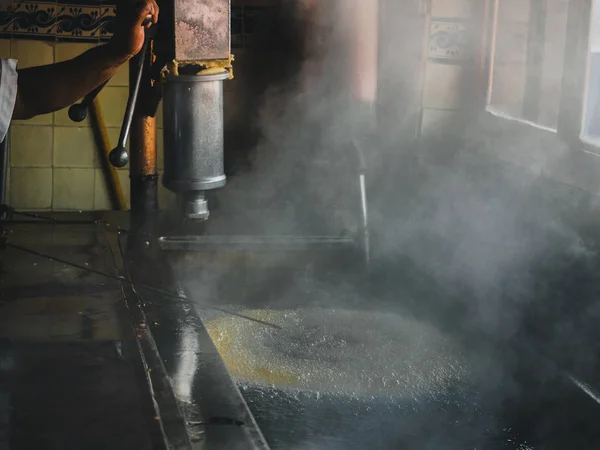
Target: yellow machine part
(208,66)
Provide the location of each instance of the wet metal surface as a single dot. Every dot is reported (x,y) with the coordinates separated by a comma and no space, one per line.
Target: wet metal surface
(327,373)
(68,376)
(306,391)
(75,396)
(75,325)
(215,411)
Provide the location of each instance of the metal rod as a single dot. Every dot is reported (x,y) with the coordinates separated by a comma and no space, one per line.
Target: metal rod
(365,219)
(131,101)
(130,283)
(119,157)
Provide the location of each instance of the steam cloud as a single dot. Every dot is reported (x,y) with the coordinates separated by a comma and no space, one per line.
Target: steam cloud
(493,234)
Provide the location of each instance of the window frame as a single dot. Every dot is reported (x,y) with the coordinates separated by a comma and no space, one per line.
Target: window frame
(575,72)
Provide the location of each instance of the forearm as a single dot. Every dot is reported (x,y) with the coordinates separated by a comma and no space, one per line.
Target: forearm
(45,89)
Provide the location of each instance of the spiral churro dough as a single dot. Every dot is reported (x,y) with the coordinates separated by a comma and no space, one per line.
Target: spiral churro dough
(339,351)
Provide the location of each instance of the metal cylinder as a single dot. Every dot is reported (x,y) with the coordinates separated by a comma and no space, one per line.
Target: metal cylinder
(193,133)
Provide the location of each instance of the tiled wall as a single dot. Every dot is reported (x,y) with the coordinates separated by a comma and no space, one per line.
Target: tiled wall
(54,162)
(451,62)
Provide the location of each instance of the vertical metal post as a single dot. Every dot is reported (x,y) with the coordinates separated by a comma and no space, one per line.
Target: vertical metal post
(143,173)
(3,169)
(143,155)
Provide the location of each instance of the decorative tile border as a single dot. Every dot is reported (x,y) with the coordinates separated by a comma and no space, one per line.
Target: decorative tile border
(52,21)
(57,21)
(88,20)
(449,40)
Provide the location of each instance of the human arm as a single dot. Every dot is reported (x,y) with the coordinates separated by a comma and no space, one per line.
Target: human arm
(48,88)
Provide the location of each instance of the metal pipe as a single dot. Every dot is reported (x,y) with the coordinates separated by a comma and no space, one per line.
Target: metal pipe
(143,169)
(362,32)
(144,152)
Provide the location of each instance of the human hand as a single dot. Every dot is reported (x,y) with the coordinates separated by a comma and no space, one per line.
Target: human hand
(129,36)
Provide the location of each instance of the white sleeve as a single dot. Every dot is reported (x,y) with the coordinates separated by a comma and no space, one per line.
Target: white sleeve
(8,93)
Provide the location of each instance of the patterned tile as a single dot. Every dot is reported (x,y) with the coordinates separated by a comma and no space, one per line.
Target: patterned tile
(89,22)
(448,40)
(29,18)
(92,20)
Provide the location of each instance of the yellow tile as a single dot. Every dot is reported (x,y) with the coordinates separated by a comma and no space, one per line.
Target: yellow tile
(32,53)
(125,184)
(121,78)
(31,188)
(61,118)
(113,101)
(113,135)
(166,199)
(444,86)
(30,146)
(74,147)
(44,119)
(159,116)
(69,50)
(101,194)
(4,48)
(73,189)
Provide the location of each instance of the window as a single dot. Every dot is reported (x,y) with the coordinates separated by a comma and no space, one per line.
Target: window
(527,56)
(590,130)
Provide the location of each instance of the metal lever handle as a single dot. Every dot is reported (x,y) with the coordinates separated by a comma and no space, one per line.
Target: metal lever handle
(78,111)
(118,157)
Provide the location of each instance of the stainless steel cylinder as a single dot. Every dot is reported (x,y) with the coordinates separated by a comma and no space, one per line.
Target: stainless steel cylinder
(193,133)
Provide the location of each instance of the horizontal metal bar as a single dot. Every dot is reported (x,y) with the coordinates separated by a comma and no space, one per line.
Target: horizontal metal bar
(264,243)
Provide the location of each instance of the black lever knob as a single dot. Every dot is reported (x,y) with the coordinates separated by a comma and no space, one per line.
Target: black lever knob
(78,112)
(118,157)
